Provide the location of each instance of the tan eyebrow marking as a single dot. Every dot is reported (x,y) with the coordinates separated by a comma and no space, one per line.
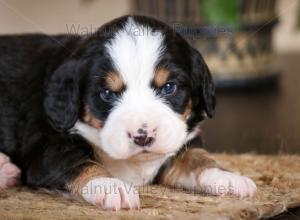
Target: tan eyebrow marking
(114,82)
(161,76)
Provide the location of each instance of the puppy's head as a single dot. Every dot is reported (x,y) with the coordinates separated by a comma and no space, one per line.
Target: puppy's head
(137,84)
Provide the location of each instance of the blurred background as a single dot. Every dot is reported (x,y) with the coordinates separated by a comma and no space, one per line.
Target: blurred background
(252,48)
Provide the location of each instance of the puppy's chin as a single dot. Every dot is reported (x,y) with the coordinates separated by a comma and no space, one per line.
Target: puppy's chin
(149,156)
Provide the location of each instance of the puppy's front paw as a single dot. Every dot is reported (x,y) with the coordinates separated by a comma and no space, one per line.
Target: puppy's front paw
(9,173)
(111,194)
(219,182)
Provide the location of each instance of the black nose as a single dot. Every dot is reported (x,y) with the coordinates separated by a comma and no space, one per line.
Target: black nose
(143,140)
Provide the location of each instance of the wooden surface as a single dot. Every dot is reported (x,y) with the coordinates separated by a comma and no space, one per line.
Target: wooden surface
(277,177)
(259,121)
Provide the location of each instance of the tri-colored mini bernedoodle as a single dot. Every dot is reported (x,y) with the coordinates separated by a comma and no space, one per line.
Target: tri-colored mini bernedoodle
(97,115)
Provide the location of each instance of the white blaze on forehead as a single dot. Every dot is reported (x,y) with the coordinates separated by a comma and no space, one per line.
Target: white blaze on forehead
(135,51)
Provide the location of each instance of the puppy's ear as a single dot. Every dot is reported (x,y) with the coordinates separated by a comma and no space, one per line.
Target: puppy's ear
(62,101)
(203,86)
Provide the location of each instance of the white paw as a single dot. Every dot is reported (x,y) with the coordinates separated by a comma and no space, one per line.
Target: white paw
(111,194)
(218,182)
(9,173)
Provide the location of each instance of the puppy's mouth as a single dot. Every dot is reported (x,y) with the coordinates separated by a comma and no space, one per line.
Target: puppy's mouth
(148,155)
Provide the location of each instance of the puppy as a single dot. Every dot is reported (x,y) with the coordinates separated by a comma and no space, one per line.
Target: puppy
(96,116)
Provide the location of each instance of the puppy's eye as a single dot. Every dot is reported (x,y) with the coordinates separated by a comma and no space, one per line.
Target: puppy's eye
(168,89)
(107,95)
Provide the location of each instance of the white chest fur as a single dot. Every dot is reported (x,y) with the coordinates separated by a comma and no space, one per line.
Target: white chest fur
(134,172)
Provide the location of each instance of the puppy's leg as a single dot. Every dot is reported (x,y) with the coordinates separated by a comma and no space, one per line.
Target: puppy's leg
(9,173)
(68,163)
(96,186)
(194,169)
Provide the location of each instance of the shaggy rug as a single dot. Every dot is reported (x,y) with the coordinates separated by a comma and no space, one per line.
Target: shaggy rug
(277,178)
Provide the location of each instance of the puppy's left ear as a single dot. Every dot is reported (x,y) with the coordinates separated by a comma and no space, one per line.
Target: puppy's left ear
(62,101)
(203,86)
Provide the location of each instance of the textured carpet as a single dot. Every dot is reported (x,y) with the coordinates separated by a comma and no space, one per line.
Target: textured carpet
(277,177)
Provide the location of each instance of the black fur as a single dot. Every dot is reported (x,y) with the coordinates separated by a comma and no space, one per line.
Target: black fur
(45,81)
(203,90)
(62,100)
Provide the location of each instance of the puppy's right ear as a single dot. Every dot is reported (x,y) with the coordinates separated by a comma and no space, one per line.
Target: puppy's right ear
(62,101)
(204,87)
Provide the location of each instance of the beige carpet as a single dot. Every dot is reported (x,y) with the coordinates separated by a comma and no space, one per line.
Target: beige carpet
(277,177)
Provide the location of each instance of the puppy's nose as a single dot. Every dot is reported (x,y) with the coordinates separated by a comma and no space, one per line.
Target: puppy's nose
(143,140)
